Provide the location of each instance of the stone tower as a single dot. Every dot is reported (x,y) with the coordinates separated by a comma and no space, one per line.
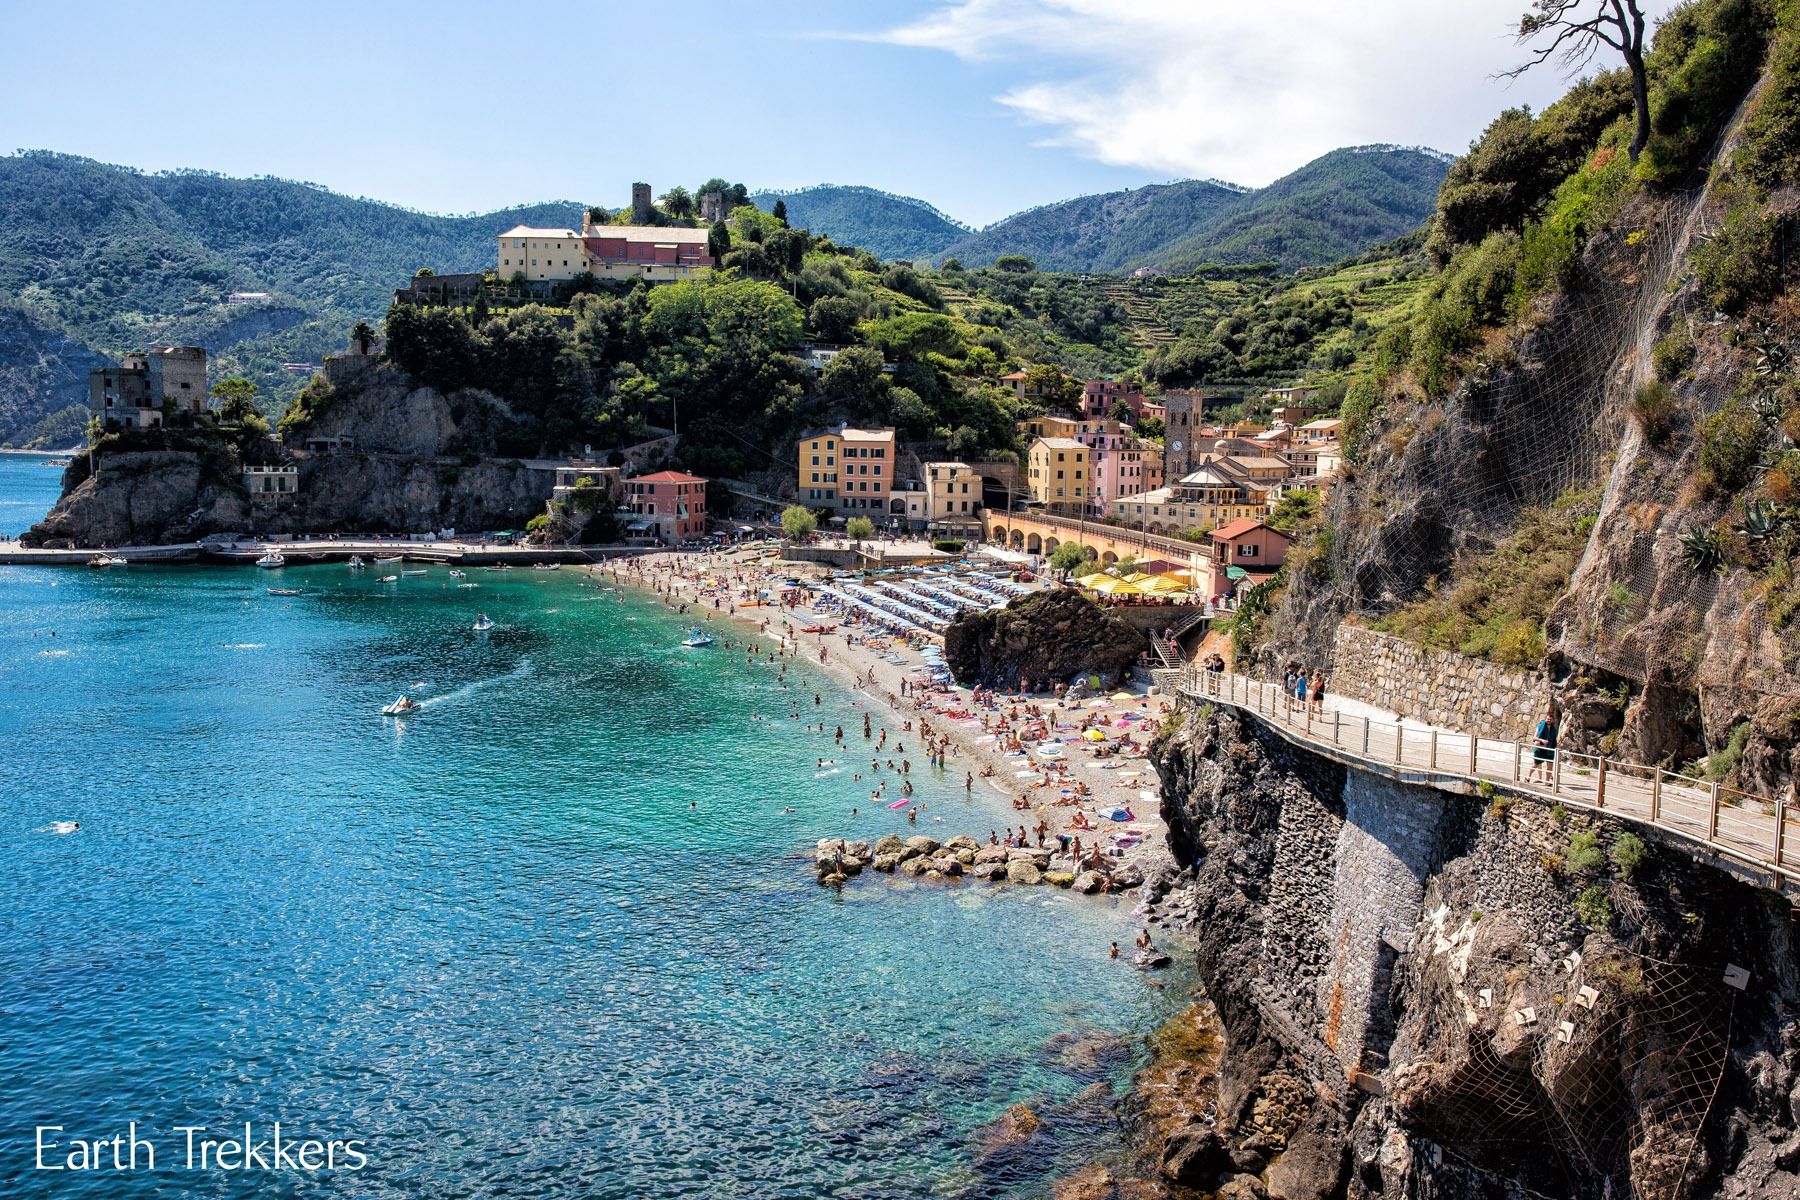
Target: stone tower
(712,206)
(640,204)
(1184,412)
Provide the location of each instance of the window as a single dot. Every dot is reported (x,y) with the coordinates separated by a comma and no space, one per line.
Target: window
(1246,551)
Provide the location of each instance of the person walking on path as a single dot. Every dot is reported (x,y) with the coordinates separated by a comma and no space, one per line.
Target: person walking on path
(1316,701)
(1543,749)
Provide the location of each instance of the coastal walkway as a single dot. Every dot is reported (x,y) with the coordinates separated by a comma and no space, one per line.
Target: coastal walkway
(1757,837)
(301,551)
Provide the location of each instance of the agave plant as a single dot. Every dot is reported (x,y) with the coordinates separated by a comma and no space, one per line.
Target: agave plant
(1703,550)
(1770,408)
(1761,521)
(1772,351)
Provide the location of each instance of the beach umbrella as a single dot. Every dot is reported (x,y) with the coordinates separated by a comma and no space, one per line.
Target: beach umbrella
(1123,697)
(1162,585)
(1094,735)
(1117,587)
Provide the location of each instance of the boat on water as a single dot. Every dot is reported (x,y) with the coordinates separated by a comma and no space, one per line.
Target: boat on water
(546,566)
(57,462)
(285,591)
(468,585)
(420,571)
(457,574)
(483,623)
(356,563)
(697,638)
(271,560)
(400,707)
(388,579)
(390,561)
(497,567)
(107,560)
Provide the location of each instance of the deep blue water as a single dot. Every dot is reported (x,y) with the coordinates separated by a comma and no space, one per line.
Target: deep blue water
(551,937)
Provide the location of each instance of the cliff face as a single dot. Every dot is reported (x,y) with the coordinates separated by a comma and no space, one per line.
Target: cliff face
(1430,994)
(416,465)
(1044,639)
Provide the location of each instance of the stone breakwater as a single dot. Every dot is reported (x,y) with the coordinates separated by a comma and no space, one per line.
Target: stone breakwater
(961,856)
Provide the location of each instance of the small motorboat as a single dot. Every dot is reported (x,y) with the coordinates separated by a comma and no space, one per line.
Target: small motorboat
(388,562)
(546,566)
(400,707)
(456,574)
(104,560)
(271,560)
(285,591)
(57,462)
(356,563)
(697,638)
(468,585)
(420,571)
(497,567)
(388,579)
(483,623)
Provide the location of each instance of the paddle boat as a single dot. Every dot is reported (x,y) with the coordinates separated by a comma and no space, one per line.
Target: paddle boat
(356,563)
(400,707)
(483,623)
(697,638)
(272,559)
(284,591)
(103,560)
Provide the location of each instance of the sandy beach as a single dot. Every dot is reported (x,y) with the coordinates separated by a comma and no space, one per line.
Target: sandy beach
(1048,766)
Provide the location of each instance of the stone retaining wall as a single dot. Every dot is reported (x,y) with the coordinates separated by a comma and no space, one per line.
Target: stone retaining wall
(1439,687)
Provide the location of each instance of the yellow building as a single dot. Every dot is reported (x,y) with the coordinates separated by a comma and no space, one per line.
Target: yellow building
(954,492)
(657,253)
(849,469)
(1057,472)
(541,253)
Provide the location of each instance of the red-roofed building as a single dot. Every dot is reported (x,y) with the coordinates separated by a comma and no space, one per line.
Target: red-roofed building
(667,504)
(1244,553)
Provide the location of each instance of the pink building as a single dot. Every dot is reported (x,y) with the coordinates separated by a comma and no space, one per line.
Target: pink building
(1243,554)
(1119,464)
(1099,395)
(669,504)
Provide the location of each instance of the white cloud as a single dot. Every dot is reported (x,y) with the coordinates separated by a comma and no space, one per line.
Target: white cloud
(1242,91)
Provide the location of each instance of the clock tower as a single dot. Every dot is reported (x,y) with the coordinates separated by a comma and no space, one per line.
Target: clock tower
(1184,413)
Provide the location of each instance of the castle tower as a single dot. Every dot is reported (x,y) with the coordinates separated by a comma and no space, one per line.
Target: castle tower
(1184,412)
(640,204)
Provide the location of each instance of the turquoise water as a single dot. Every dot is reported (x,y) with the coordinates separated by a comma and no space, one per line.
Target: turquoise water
(551,937)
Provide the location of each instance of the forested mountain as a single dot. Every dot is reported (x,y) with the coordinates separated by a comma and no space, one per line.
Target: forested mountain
(1334,207)
(106,259)
(886,225)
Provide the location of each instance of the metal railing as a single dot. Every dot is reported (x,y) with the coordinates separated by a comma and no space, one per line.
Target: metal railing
(1758,831)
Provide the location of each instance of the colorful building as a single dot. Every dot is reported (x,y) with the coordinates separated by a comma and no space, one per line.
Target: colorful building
(1057,473)
(669,504)
(1099,396)
(132,395)
(1120,464)
(851,470)
(659,253)
(953,494)
(1244,553)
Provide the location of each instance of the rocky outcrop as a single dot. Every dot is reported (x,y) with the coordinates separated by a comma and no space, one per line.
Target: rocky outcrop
(1051,637)
(1423,993)
(416,465)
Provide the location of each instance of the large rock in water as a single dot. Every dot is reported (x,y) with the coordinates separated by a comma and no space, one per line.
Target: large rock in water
(1050,637)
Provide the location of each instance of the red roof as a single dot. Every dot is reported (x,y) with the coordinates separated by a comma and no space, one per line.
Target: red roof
(1240,527)
(668,477)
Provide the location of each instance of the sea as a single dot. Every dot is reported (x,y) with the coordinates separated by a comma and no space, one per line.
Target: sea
(556,935)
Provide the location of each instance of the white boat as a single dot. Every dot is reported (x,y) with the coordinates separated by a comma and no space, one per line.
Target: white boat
(456,574)
(483,623)
(388,562)
(546,566)
(420,571)
(57,462)
(271,560)
(400,707)
(697,638)
(285,591)
(497,567)
(388,579)
(356,563)
(107,560)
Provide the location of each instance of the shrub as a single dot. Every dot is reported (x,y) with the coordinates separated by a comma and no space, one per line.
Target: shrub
(1594,907)
(1654,408)
(1730,445)
(1361,403)
(1672,354)
(1740,264)
(948,545)
(1627,854)
(1583,853)
(1770,152)
(1723,763)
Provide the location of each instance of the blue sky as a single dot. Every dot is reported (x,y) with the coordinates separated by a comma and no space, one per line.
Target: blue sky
(982,107)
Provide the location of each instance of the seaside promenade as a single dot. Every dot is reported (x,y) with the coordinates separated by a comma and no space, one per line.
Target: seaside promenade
(301,551)
(1756,836)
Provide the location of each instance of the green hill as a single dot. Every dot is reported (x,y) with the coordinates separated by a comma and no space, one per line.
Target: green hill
(107,259)
(886,225)
(1333,208)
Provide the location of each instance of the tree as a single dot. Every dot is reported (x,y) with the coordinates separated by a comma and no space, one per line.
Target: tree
(833,319)
(364,336)
(1576,30)
(236,400)
(860,528)
(718,241)
(854,379)
(1050,387)
(798,523)
(1121,411)
(1126,566)
(779,212)
(1016,264)
(597,216)
(1067,556)
(677,203)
